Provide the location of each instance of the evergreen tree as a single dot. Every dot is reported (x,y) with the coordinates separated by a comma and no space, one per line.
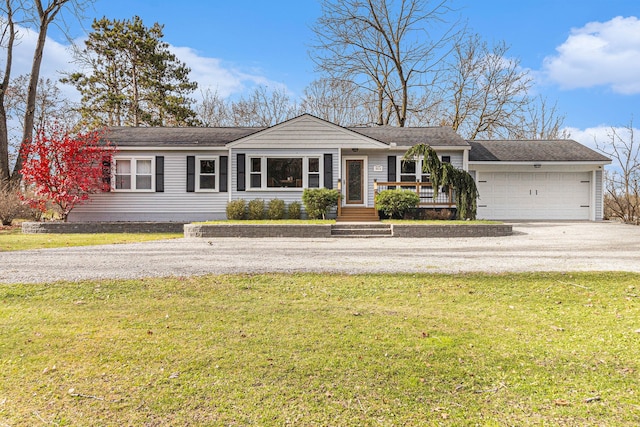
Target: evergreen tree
(130,78)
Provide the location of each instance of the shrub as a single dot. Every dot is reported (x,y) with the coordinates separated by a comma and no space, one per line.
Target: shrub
(11,206)
(236,209)
(255,209)
(394,203)
(275,209)
(318,201)
(295,210)
(438,214)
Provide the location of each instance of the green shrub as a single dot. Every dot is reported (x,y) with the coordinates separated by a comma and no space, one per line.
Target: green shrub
(237,209)
(255,209)
(394,203)
(275,209)
(294,211)
(318,201)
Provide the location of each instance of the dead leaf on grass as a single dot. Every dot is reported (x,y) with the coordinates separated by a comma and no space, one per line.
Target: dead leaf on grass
(561,402)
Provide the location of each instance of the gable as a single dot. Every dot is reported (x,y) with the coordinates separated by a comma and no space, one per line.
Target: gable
(307,131)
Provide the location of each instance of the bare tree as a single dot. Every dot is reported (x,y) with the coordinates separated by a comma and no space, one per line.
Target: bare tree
(622,183)
(213,110)
(340,102)
(263,108)
(540,120)
(387,47)
(37,15)
(488,90)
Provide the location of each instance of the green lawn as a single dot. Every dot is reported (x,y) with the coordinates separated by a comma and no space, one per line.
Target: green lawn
(13,239)
(340,350)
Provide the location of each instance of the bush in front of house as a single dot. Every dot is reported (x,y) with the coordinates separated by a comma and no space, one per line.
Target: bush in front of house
(318,201)
(276,209)
(236,209)
(394,203)
(294,211)
(255,209)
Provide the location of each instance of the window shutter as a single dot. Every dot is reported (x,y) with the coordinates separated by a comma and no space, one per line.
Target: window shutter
(159,174)
(391,169)
(106,173)
(242,180)
(191,174)
(224,175)
(328,171)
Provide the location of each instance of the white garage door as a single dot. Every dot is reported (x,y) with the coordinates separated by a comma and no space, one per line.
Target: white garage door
(537,195)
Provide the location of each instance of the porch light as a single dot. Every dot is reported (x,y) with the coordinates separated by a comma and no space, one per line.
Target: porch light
(537,166)
(355,150)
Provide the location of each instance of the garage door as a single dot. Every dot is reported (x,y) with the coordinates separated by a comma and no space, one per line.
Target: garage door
(537,195)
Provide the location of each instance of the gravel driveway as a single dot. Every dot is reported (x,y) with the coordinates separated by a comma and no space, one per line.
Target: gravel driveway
(562,246)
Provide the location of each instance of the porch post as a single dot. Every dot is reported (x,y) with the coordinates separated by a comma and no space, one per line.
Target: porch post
(340,198)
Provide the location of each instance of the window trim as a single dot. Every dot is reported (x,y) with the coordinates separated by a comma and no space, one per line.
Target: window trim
(134,169)
(263,172)
(216,174)
(418,173)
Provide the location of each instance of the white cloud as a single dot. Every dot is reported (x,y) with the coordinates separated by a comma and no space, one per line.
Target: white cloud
(210,73)
(599,135)
(599,54)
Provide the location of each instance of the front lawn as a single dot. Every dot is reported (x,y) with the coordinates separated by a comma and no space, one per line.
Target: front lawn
(12,239)
(341,350)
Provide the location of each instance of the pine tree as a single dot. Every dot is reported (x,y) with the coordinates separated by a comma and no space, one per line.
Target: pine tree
(130,78)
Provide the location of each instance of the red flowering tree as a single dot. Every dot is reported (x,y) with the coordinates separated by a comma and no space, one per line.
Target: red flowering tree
(64,168)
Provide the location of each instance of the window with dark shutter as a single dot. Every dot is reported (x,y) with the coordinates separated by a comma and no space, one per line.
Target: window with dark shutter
(106,173)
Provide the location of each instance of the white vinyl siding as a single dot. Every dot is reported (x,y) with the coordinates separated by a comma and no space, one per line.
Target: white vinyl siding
(174,204)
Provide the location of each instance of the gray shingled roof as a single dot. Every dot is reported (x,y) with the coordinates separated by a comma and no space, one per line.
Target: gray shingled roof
(533,151)
(218,137)
(408,136)
(176,137)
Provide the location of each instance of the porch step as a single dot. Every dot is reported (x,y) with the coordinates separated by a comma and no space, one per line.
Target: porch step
(362,229)
(359,214)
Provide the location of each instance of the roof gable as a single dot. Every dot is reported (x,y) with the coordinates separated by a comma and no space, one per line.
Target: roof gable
(307,131)
(565,150)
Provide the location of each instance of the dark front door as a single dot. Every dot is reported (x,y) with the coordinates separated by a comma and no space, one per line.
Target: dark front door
(355,182)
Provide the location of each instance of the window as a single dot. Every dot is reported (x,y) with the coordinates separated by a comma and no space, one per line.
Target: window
(284,172)
(133,174)
(206,172)
(408,171)
(314,172)
(256,172)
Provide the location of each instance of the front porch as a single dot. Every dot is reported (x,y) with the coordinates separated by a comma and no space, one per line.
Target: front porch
(443,199)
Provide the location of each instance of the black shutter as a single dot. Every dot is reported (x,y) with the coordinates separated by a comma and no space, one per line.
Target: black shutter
(328,171)
(106,173)
(159,174)
(242,180)
(224,175)
(191,174)
(391,169)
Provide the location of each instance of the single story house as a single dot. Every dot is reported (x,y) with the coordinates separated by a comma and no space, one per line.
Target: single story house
(190,174)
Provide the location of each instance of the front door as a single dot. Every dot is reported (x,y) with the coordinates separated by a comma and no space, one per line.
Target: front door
(355,191)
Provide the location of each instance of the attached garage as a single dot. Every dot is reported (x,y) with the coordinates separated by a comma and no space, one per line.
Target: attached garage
(537,180)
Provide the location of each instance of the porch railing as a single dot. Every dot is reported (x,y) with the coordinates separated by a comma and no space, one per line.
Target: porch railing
(428,197)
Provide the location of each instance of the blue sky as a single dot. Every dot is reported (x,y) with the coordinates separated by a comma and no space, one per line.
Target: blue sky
(584,54)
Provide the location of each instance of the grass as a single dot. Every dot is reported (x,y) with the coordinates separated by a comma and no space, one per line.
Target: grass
(390,350)
(13,240)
